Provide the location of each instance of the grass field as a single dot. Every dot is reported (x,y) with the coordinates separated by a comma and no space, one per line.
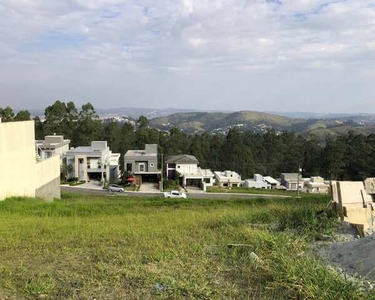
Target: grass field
(85,247)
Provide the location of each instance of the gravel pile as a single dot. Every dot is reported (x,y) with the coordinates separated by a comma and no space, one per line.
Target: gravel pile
(356,257)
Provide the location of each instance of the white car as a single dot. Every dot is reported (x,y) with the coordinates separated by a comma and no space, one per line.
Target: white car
(174,194)
(116,188)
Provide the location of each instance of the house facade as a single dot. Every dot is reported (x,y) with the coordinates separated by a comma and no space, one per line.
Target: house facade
(316,185)
(257,182)
(186,166)
(22,174)
(143,164)
(52,145)
(94,162)
(227,179)
(292,181)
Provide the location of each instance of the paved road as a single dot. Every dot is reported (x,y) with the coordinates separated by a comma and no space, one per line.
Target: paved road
(160,195)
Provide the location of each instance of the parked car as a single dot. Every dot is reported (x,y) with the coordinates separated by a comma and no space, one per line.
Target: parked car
(174,194)
(116,188)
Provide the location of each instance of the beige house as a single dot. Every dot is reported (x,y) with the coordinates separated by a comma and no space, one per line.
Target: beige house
(52,145)
(21,173)
(94,162)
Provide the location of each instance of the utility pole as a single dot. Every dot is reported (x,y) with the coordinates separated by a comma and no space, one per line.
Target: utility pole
(299,172)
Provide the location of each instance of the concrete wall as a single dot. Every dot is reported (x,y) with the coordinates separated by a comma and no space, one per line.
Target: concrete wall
(47,170)
(50,190)
(354,204)
(20,174)
(17,159)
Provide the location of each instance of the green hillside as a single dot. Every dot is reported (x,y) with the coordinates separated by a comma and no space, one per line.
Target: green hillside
(197,122)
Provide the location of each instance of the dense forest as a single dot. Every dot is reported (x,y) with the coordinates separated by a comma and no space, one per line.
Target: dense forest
(347,157)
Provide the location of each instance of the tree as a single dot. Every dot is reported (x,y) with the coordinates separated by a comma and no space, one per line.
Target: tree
(7,114)
(22,115)
(89,128)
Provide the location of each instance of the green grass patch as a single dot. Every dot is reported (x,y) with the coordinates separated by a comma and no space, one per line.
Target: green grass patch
(244,190)
(85,247)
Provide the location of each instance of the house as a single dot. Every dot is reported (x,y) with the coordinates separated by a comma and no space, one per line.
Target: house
(292,181)
(257,182)
(52,145)
(227,179)
(22,175)
(143,164)
(316,185)
(271,181)
(94,162)
(186,166)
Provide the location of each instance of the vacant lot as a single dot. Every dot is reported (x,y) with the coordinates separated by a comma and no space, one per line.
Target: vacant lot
(123,248)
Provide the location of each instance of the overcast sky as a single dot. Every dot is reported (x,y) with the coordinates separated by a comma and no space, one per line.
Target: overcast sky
(264,55)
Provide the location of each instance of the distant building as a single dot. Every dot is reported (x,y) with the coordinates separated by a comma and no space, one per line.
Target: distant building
(292,181)
(143,163)
(227,179)
(272,182)
(257,182)
(52,145)
(189,173)
(316,185)
(21,173)
(94,162)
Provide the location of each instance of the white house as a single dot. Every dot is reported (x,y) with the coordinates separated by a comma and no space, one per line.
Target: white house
(271,181)
(227,179)
(316,185)
(257,182)
(52,145)
(292,181)
(94,162)
(189,172)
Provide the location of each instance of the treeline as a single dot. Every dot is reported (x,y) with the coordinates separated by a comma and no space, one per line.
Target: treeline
(347,157)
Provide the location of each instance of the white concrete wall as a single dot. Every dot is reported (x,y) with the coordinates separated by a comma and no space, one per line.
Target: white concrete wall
(17,159)
(20,174)
(47,170)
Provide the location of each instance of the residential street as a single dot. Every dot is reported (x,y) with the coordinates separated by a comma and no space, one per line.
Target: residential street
(159,194)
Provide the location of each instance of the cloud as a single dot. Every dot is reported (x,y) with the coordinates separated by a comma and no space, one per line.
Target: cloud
(94,43)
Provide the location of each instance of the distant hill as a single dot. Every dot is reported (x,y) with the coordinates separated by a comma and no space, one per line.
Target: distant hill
(219,122)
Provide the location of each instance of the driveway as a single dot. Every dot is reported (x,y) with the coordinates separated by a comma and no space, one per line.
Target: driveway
(92,185)
(149,187)
(194,189)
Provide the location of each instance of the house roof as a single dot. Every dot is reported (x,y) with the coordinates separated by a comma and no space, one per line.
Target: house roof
(222,175)
(270,180)
(182,159)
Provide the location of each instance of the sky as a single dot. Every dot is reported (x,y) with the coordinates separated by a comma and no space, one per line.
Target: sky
(261,55)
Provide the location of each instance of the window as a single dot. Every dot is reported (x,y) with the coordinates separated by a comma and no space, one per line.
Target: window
(152,165)
(141,167)
(129,167)
(207,180)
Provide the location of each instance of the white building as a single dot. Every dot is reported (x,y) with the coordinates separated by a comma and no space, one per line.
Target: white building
(189,172)
(227,179)
(316,185)
(52,145)
(271,181)
(95,162)
(257,182)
